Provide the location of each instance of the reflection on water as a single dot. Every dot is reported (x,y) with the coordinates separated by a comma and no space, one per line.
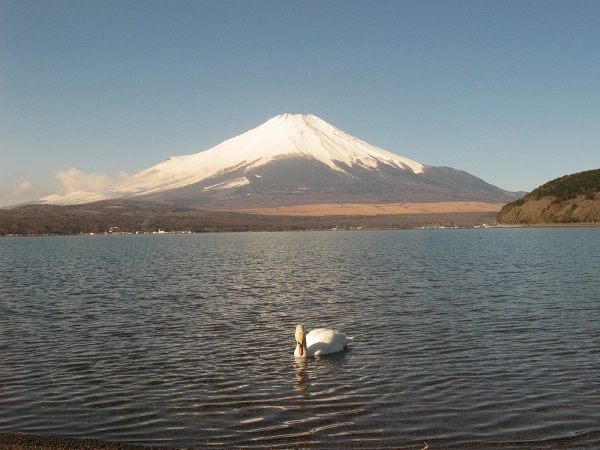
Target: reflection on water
(307,368)
(461,337)
(301,383)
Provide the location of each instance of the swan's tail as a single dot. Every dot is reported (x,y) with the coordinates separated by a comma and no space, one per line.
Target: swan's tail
(348,339)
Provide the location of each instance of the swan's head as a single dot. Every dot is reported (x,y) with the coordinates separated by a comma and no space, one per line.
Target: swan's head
(300,342)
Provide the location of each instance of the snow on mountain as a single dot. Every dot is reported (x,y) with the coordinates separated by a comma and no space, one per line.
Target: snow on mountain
(283,136)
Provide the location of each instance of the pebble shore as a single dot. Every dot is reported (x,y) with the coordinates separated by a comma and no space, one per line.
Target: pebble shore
(21,441)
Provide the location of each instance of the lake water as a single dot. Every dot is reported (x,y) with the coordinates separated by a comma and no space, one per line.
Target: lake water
(461,338)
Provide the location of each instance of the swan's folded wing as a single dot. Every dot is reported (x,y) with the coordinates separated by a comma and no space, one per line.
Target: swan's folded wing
(324,341)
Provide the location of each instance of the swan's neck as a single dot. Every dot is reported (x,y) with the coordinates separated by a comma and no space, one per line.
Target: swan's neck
(301,350)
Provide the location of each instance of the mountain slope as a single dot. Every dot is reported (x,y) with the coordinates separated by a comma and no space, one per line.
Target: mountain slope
(291,159)
(570,199)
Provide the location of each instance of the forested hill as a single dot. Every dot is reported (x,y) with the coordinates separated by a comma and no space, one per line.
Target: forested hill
(569,199)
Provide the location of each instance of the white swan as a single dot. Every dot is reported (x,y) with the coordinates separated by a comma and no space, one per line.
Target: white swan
(320,341)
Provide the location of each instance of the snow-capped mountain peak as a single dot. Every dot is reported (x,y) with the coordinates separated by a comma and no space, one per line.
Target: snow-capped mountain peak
(291,159)
(283,136)
(308,135)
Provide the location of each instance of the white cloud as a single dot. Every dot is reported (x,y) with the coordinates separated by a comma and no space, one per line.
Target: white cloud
(73,180)
(20,189)
(24,188)
(19,192)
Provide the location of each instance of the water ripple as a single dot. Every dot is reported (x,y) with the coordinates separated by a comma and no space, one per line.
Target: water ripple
(460,338)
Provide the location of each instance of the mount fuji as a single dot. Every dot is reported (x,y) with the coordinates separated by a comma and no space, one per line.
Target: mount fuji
(293,159)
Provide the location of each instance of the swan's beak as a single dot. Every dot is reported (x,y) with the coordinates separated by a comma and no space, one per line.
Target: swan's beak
(300,339)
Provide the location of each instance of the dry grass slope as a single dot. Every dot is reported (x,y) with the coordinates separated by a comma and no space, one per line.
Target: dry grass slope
(362,209)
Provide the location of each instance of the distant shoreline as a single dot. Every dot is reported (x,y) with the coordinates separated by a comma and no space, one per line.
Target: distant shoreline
(152,218)
(164,219)
(466,227)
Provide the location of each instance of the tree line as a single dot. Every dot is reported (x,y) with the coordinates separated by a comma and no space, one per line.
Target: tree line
(138,217)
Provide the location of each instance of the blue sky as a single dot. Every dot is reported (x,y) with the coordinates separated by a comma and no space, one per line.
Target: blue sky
(506,90)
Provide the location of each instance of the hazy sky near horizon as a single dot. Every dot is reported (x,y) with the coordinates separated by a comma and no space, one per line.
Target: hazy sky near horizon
(508,91)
